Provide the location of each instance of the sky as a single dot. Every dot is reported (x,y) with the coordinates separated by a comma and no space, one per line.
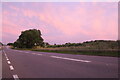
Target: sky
(59,0)
(61,22)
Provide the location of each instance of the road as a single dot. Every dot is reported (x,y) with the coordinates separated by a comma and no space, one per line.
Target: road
(32,64)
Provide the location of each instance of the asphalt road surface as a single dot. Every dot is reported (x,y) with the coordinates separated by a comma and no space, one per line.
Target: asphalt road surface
(32,64)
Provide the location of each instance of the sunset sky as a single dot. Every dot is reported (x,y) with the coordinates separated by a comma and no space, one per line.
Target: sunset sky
(61,22)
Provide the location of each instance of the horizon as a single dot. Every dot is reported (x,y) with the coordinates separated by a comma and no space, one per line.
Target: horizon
(61,23)
(69,42)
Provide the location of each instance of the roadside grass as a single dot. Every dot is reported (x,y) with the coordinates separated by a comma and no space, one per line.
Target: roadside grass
(110,53)
(83,52)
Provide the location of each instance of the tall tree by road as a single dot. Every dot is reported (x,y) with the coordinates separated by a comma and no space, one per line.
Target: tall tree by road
(29,38)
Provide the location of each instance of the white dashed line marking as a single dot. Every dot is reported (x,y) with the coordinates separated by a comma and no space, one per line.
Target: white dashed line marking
(36,54)
(5,55)
(16,77)
(39,54)
(11,68)
(7,59)
(70,59)
(8,62)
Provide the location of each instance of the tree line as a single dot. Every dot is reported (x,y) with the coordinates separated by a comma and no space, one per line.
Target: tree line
(97,44)
(32,37)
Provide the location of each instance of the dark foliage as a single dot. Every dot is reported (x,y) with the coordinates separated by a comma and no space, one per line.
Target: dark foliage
(29,39)
(97,44)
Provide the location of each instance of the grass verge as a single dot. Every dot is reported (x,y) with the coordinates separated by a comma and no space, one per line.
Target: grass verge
(110,53)
(87,52)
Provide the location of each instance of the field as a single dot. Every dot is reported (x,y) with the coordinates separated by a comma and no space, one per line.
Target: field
(97,48)
(67,50)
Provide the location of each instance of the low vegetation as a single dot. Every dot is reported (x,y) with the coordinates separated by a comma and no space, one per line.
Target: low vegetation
(97,48)
(32,40)
(1,46)
(83,52)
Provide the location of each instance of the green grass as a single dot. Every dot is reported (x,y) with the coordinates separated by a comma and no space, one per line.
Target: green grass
(95,53)
(110,53)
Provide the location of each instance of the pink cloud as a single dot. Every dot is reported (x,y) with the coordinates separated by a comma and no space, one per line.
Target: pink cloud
(29,13)
(95,21)
(72,23)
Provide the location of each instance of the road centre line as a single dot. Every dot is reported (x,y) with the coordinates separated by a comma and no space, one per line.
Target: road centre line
(7,59)
(8,62)
(6,56)
(70,59)
(16,77)
(11,68)
(5,53)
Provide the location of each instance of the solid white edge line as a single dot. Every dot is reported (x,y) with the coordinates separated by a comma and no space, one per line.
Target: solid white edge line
(16,77)
(70,59)
(11,68)
(36,54)
(39,54)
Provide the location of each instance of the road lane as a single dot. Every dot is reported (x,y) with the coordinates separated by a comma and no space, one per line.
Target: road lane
(31,64)
(108,60)
(6,73)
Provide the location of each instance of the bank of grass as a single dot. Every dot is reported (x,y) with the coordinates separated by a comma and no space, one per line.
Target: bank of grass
(110,53)
(83,52)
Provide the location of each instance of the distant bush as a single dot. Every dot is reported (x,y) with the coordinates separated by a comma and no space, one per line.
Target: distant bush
(29,38)
(97,44)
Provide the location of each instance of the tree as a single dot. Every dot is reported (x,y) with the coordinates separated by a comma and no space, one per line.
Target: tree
(10,44)
(29,38)
(46,44)
(1,46)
